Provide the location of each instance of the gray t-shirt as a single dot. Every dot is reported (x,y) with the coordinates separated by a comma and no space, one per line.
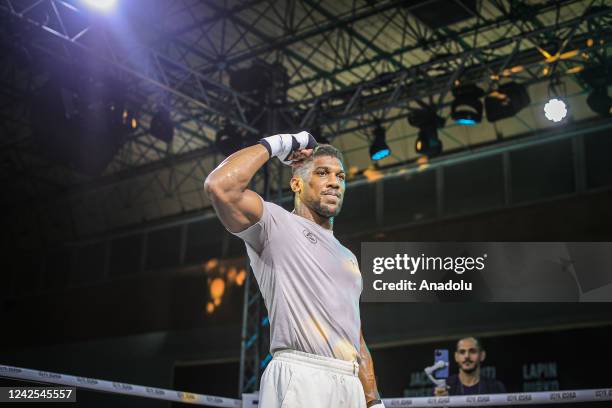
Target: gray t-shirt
(310,283)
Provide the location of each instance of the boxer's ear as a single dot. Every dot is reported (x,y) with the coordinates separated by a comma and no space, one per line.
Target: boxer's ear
(296,184)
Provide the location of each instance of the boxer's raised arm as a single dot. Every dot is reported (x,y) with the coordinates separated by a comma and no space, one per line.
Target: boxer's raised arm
(237,207)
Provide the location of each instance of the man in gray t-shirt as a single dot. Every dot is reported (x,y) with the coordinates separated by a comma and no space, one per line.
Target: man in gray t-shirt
(310,282)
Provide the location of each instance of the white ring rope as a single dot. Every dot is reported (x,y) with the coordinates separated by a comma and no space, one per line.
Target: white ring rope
(117,387)
(525,398)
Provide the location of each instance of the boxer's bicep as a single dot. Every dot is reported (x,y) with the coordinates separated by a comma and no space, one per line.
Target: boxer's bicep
(238,213)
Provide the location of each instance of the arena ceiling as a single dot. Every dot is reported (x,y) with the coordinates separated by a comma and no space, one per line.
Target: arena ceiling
(348,65)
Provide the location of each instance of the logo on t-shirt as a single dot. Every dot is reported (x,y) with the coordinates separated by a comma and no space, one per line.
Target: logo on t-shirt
(311,237)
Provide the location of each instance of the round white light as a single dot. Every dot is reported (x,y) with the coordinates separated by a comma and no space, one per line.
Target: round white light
(555,110)
(101,4)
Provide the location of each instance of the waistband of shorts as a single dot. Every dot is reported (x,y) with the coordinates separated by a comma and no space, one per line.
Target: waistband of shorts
(316,361)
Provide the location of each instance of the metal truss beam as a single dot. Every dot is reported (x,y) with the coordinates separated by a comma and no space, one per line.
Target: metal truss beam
(433,41)
(360,37)
(370,99)
(401,87)
(265,38)
(276,44)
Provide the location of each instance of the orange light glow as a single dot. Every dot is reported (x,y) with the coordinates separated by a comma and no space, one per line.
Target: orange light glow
(575,69)
(211,264)
(569,54)
(217,288)
(423,163)
(545,53)
(372,174)
(498,95)
(232,272)
(210,307)
(240,277)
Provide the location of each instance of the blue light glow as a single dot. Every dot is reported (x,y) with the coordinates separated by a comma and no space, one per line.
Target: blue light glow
(467,122)
(381,154)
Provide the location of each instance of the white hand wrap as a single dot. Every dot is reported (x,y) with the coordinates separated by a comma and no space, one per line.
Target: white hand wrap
(283,145)
(379,405)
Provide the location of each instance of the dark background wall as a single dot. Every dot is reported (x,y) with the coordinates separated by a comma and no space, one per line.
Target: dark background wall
(136,329)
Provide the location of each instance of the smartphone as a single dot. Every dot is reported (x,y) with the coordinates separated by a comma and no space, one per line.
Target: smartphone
(441,355)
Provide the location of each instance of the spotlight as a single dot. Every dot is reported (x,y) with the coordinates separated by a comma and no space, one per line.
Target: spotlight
(427,142)
(466,109)
(379,148)
(428,123)
(598,78)
(508,100)
(600,102)
(101,4)
(555,110)
(161,126)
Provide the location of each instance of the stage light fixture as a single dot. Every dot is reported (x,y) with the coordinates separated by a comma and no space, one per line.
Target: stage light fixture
(466,109)
(162,126)
(600,103)
(555,110)
(427,142)
(505,102)
(428,123)
(101,4)
(598,78)
(379,148)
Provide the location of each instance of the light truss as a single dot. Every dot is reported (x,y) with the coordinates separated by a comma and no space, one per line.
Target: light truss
(342,76)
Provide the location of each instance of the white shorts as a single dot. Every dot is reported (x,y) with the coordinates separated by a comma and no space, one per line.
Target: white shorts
(294,379)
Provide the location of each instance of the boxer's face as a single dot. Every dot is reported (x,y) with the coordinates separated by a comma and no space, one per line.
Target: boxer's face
(468,355)
(323,189)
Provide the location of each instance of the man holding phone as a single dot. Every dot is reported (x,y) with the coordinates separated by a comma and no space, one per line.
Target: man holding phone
(468,356)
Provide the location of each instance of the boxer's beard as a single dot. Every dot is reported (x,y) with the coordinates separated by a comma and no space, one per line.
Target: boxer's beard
(324,211)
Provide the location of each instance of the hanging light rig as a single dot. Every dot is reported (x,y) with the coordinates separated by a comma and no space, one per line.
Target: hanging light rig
(428,122)
(379,148)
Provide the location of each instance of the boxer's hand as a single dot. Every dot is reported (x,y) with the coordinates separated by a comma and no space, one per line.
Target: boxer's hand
(289,148)
(298,157)
(441,391)
(376,404)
